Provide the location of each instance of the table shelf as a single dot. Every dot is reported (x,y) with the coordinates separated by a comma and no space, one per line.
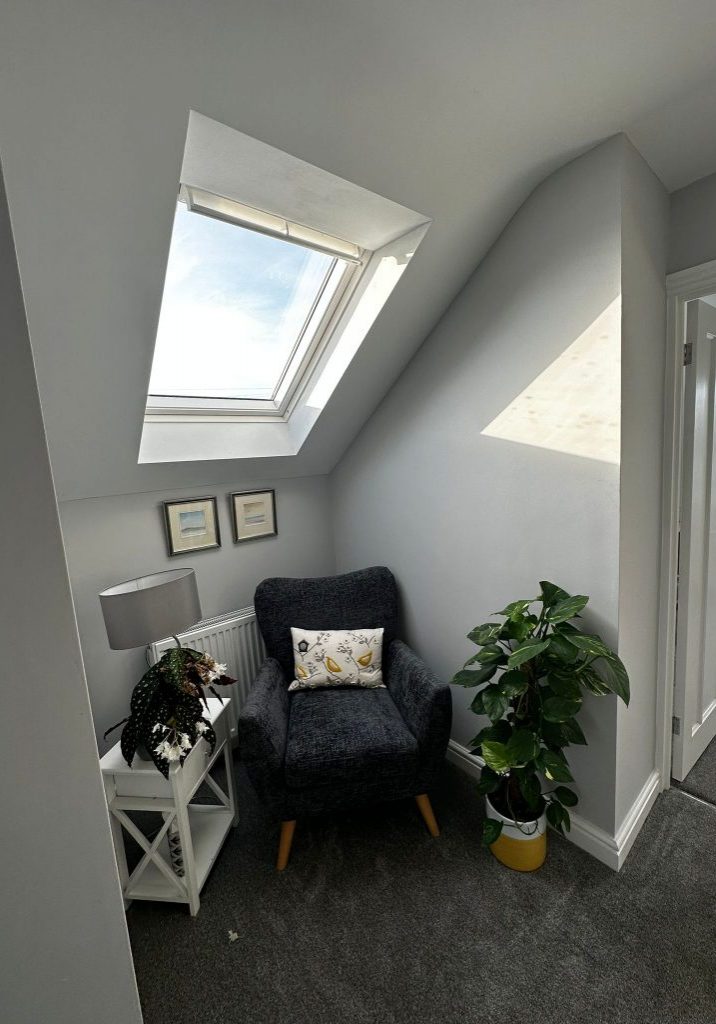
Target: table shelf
(201,828)
(209,827)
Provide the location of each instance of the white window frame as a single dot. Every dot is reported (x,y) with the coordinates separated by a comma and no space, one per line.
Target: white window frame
(299,365)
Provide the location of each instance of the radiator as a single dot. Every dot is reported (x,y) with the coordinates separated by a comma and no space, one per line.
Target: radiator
(232,639)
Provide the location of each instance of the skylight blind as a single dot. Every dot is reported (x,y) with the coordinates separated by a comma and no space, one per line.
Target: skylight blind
(199,201)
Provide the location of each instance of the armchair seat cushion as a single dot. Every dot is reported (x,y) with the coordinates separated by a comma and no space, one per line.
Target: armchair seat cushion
(351,737)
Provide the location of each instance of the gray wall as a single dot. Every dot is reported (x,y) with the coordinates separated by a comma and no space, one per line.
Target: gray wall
(64,949)
(122,536)
(645,214)
(692,229)
(469,521)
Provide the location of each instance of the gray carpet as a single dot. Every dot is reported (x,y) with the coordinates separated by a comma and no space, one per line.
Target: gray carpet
(701,780)
(374,922)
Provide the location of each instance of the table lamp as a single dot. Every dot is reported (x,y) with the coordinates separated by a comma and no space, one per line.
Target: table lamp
(150,608)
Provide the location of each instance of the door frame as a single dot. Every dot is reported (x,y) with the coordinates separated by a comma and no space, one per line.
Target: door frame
(681,287)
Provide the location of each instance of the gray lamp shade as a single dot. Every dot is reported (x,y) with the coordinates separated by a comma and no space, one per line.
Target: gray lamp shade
(150,608)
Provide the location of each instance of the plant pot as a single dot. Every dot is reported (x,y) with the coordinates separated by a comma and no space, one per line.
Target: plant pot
(142,754)
(521,846)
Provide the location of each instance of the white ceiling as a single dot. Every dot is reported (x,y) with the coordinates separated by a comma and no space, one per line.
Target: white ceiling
(679,139)
(457,109)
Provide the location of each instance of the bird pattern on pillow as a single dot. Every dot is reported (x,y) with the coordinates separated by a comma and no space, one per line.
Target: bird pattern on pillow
(338,657)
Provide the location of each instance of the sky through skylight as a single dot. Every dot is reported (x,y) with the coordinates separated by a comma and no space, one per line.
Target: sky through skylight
(233,306)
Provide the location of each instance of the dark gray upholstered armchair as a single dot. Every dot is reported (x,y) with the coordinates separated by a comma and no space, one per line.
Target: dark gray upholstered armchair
(316,750)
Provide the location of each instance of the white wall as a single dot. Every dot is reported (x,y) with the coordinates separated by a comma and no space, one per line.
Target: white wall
(645,215)
(470,521)
(116,538)
(692,229)
(64,949)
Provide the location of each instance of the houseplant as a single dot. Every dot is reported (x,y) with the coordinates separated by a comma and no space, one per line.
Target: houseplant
(167,708)
(533,669)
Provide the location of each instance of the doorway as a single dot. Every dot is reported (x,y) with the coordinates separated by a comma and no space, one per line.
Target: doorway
(688,598)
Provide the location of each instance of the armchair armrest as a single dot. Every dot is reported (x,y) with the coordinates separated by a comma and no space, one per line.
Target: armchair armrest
(263,724)
(424,702)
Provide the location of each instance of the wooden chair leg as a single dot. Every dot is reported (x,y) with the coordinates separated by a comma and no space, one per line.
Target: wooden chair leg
(284,843)
(425,808)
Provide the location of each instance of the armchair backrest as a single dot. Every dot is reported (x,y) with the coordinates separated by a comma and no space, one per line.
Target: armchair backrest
(356,600)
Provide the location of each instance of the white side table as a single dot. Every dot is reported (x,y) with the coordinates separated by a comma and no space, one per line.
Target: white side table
(200,829)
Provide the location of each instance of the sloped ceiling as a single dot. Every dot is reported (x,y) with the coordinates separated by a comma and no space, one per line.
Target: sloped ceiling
(457,109)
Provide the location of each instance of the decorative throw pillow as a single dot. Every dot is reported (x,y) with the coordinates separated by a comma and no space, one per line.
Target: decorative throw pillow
(338,657)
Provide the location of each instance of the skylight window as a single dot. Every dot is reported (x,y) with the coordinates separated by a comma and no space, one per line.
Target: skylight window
(248,300)
(276,274)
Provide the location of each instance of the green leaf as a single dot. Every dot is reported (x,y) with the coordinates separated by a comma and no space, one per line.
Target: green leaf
(567,608)
(559,709)
(593,682)
(484,734)
(557,816)
(494,702)
(173,666)
(144,697)
(572,732)
(564,685)
(516,608)
(615,677)
(496,756)
(129,740)
(485,633)
(468,677)
(513,683)
(554,767)
(501,731)
(518,629)
(522,747)
(561,649)
(490,654)
(477,705)
(526,651)
(530,788)
(592,645)
(565,796)
(551,593)
(145,690)
(491,830)
(552,735)
(489,781)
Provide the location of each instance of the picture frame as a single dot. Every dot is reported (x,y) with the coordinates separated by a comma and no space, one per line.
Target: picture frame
(192,524)
(253,514)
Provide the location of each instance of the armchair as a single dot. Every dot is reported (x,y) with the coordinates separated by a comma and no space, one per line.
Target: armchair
(316,750)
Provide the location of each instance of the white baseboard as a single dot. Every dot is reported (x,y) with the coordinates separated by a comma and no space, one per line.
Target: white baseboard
(637,815)
(461,756)
(610,850)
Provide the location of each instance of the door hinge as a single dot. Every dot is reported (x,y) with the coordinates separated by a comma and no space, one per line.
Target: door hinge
(688,353)
(676,726)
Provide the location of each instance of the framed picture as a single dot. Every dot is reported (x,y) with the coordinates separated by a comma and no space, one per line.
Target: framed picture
(253,514)
(192,525)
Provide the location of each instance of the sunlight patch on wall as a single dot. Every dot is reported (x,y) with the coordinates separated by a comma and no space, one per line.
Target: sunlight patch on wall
(574,405)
